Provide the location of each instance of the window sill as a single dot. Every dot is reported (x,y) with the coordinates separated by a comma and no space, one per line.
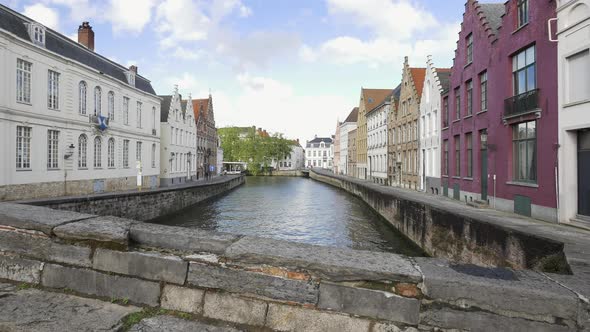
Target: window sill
(82,168)
(522,184)
(53,169)
(445,176)
(457,120)
(24,170)
(54,109)
(468,64)
(520,28)
(445,128)
(468,116)
(457,177)
(24,103)
(481,112)
(468,179)
(576,103)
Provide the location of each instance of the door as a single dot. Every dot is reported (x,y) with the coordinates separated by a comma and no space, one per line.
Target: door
(483,162)
(583,174)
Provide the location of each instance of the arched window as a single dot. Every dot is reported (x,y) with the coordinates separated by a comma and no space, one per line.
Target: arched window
(111,105)
(82,151)
(82,89)
(97,100)
(97,152)
(111,153)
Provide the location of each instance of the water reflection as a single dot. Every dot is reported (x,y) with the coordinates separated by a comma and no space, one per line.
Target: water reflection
(295,209)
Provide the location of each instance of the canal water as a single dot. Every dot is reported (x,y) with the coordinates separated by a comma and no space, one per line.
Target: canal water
(295,209)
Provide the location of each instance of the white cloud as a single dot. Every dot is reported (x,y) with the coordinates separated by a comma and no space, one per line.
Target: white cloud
(43,14)
(187,83)
(130,15)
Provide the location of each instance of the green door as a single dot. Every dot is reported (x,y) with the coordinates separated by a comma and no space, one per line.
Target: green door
(483,141)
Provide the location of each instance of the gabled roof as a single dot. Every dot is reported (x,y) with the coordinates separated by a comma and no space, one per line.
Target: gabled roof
(14,23)
(444,77)
(165,108)
(418,75)
(397,91)
(353,116)
(493,14)
(200,105)
(374,97)
(321,139)
(385,100)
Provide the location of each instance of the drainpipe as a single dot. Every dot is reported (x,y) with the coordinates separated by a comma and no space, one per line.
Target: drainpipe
(494,191)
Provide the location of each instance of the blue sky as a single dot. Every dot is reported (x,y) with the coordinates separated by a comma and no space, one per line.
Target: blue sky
(290,66)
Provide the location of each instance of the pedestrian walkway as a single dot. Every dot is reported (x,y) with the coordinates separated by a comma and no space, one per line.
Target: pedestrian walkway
(576,240)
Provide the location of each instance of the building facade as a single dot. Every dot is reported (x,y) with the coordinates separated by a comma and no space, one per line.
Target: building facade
(72,122)
(393,160)
(377,119)
(368,100)
(352,152)
(406,143)
(319,152)
(206,136)
(179,139)
(336,149)
(346,126)
(573,32)
(435,82)
(295,160)
(219,155)
(500,132)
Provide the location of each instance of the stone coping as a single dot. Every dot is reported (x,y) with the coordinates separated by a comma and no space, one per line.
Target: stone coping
(275,284)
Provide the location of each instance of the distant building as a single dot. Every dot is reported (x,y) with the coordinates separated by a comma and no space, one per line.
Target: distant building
(345,127)
(319,152)
(206,136)
(336,149)
(435,82)
(179,137)
(295,160)
(393,155)
(377,119)
(573,31)
(72,122)
(352,153)
(219,158)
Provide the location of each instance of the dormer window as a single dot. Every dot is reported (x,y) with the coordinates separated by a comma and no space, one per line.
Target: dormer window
(130,78)
(37,33)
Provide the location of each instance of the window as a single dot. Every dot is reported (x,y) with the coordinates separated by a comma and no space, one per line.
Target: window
(446,112)
(457,104)
(524,148)
(82,89)
(523,12)
(23,81)
(578,67)
(97,152)
(97,101)
(52,90)
(154,120)
(82,151)
(139,114)
(111,105)
(126,110)
(470,48)
(126,153)
(469,149)
(523,71)
(52,149)
(446,157)
(138,151)
(111,153)
(23,147)
(483,88)
(469,91)
(153,155)
(38,35)
(457,155)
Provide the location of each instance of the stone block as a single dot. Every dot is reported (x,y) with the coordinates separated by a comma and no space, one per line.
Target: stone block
(182,299)
(42,247)
(389,327)
(240,281)
(336,264)
(180,238)
(36,218)
(20,269)
(148,265)
(291,318)
(447,318)
(234,309)
(169,323)
(40,311)
(100,284)
(525,293)
(102,229)
(368,302)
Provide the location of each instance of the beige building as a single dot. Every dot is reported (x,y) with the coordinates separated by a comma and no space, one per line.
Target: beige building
(405,143)
(351,152)
(369,99)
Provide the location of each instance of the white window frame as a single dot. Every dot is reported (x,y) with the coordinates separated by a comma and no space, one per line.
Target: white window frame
(23,81)
(52,149)
(126,153)
(97,152)
(111,153)
(23,147)
(82,97)
(97,101)
(138,118)
(126,110)
(138,146)
(52,90)
(83,152)
(111,105)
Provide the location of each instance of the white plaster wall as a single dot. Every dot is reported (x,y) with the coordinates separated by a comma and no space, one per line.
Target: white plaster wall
(377,142)
(345,128)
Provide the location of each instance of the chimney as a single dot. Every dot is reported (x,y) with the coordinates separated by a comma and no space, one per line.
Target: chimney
(133,68)
(86,36)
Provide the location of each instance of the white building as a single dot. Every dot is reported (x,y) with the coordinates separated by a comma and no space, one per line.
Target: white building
(219,159)
(346,126)
(72,122)
(573,31)
(436,81)
(179,140)
(295,160)
(377,119)
(319,152)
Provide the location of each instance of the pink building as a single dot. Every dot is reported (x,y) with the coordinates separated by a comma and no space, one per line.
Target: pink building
(499,136)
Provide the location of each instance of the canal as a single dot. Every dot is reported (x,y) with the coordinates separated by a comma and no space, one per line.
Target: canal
(295,209)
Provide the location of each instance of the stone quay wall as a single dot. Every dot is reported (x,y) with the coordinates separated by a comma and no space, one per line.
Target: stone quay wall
(264,284)
(143,205)
(442,230)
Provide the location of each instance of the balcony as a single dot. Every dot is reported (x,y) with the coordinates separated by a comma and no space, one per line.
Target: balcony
(522,104)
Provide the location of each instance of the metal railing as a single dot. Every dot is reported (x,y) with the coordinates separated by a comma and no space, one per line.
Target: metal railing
(521,104)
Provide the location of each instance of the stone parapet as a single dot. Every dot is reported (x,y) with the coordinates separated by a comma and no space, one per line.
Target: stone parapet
(278,285)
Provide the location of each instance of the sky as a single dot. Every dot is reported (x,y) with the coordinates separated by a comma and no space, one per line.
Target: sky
(290,66)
